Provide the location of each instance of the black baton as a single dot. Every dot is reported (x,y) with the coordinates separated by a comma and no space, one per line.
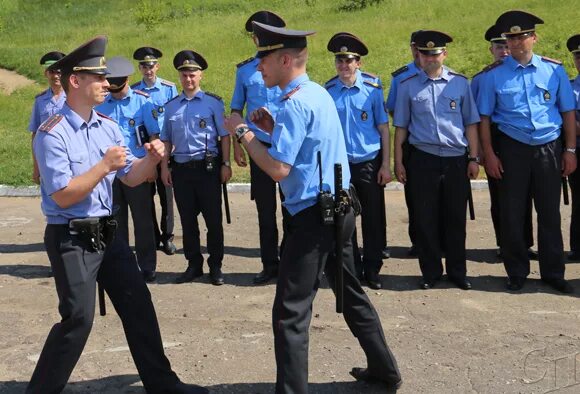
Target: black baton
(338,222)
(226,203)
(102,305)
(565,190)
(470,201)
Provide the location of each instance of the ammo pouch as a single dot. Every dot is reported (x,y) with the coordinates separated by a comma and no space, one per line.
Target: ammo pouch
(96,233)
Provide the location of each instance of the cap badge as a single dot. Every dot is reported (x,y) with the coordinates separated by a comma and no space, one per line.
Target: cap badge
(453,105)
(202,124)
(515,29)
(430,44)
(343,49)
(547,95)
(149,57)
(364,116)
(187,61)
(131,122)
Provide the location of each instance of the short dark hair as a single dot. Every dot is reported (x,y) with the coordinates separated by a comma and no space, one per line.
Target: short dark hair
(64,81)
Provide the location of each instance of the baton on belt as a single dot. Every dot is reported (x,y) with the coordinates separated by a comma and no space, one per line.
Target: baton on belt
(226,202)
(339,223)
(470,201)
(102,305)
(565,190)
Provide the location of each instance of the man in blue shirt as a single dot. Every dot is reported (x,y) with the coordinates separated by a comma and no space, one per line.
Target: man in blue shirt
(135,114)
(46,103)
(399,75)
(436,111)
(530,99)
(160,91)
(199,146)
(306,127)
(573,45)
(250,92)
(499,50)
(79,153)
(361,108)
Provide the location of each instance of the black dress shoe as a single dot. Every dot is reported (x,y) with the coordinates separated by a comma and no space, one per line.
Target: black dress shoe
(169,248)
(264,276)
(515,283)
(363,374)
(574,256)
(149,276)
(412,251)
(463,283)
(562,285)
(425,284)
(373,280)
(216,277)
(386,253)
(184,388)
(189,275)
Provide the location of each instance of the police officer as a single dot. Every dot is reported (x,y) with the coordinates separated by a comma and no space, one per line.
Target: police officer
(160,91)
(46,103)
(436,110)
(79,153)
(307,125)
(365,123)
(250,92)
(530,99)
(399,75)
(199,163)
(573,45)
(135,114)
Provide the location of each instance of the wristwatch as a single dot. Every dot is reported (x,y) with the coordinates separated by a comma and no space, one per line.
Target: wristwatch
(226,163)
(240,131)
(475,159)
(571,150)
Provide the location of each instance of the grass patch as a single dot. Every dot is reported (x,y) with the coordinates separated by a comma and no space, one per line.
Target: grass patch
(215,28)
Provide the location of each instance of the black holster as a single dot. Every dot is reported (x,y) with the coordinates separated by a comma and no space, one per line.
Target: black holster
(96,233)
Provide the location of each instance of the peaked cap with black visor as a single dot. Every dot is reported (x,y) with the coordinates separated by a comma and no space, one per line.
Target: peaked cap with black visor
(347,45)
(432,42)
(147,56)
(514,23)
(270,38)
(265,17)
(120,69)
(88,58)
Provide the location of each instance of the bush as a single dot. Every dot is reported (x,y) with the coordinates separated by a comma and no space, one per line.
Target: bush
(354,5)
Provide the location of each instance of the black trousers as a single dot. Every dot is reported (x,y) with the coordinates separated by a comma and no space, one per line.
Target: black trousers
(138,200)
(439,187)
(76,271)
(199,191)
(263,192)
(574,181)
(371,195)
(165,232)
(307,256)
(493,186)
(408,196)
(536,171)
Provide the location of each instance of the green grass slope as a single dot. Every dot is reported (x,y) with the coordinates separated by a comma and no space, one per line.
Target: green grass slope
(215,28)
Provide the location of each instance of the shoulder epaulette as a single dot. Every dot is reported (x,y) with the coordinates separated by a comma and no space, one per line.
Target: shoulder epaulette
(489,67)
(215,96)
(399,71)
(105,116)
(457,74)
(329,81)
(50,123)
(290,93)
(369,75)
(41,93)
(373,84)
(142,93)
(134,86)
(167,83)
(551,60)
(245,62)
(171,100)
(409,77)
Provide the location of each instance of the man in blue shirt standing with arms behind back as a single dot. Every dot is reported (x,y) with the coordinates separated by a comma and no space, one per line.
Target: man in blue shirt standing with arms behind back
(530,99)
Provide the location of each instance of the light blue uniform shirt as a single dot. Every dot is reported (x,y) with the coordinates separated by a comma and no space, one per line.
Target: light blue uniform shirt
(161,92)
(526,101)
(306,124)
(45,105)
(576,90)
(436,112)
(361,108)
(398,76)
(132,111)
(475,81)
(69,149)
(251,92)
(189,123)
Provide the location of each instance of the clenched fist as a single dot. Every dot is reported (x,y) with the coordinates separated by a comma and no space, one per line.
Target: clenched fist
(155,149)
(115,158)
